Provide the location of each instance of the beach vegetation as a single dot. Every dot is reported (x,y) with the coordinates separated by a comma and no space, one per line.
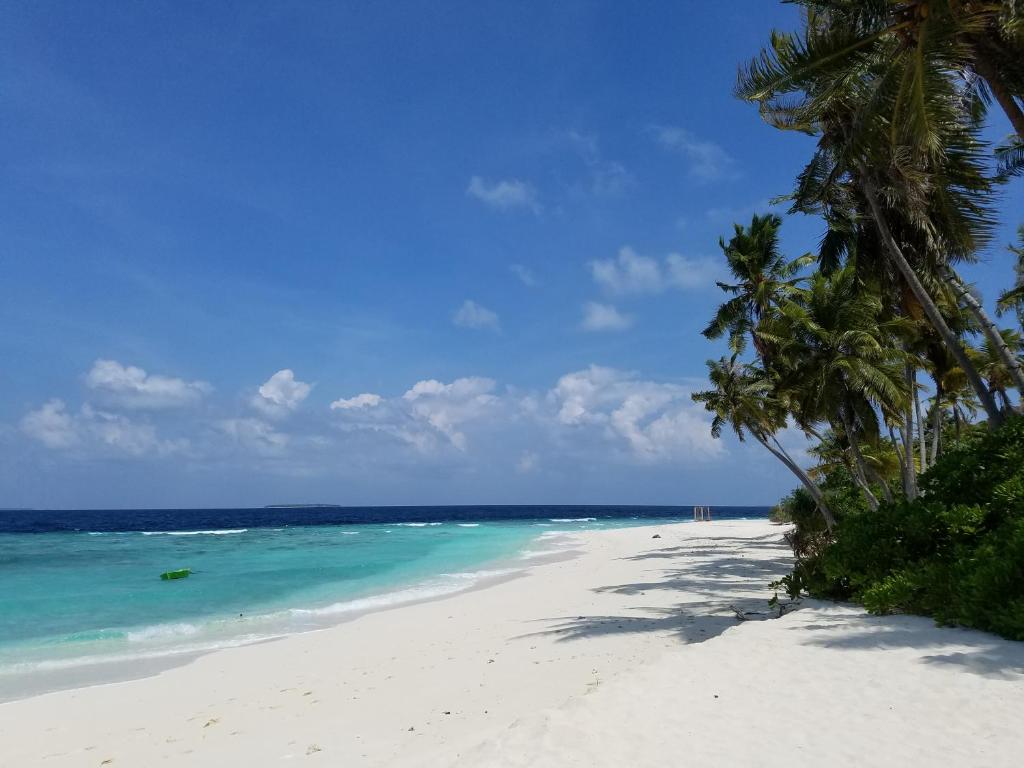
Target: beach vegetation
(873,348)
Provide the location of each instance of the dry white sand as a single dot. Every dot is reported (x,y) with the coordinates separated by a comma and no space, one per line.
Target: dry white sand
(628,654)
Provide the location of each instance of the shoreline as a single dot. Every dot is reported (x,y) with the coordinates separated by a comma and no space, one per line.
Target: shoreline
(629,653)
(81,673)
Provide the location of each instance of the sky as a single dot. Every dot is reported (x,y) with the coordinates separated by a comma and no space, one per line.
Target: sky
(379,253)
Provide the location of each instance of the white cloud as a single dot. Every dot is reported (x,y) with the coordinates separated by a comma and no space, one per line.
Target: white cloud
(280,394)
(131,387)
(608,178)
(707,160)
(365,400)
(689,273)
(504,195)
(472,315)
(95,431)
(445,407)
(525,275)
(117,432)
(51,425)
(628,273)
(604,317)
(655,420)
(631,273)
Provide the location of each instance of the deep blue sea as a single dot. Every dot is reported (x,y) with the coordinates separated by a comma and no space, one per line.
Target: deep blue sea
(82,586)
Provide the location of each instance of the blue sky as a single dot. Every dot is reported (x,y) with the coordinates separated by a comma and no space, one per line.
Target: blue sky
(496,222)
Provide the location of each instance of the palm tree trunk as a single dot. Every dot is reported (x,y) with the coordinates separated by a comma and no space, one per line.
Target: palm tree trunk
(990,74)
(937,421)
(922,441)
(995,417)
(899,457)
(860,473)
(809,484)
(987,326)
(880,481)
(907,433)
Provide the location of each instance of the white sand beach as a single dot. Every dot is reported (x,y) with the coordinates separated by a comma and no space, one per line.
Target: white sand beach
(629,653)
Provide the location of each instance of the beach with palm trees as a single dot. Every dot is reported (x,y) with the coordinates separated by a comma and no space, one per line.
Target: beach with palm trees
(875,618)
(639,645)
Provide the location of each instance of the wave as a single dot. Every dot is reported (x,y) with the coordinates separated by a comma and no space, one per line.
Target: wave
(162,632)
(417,525)
(572,519)
(531,554)
(221,532)
(468,525)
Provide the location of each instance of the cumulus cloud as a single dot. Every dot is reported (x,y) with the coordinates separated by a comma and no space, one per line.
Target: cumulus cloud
(707,160)
(656,420)
(445,407)
(603,317)
(688,273)
(131,387)
(365,400)
(593,417)
(473,315)
(631,273)
(280,394)
(628,273)
(94,431)
(504,195)
(51,425)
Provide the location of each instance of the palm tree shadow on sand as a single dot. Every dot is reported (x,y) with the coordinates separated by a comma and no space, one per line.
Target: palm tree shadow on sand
(724,581)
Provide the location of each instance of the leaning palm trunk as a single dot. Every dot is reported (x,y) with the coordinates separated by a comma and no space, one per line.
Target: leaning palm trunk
(989,72)
(860,469)
(995,416)
(805,479)
(881,483)
(988,327)
(907,433)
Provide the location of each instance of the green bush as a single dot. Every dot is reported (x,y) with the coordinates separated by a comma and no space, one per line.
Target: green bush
(956,553)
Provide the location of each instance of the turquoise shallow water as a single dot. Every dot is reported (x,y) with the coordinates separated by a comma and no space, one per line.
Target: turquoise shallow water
(77,598)
(72,598)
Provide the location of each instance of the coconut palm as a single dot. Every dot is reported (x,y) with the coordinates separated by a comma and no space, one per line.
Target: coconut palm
(991,366)
(978,45)
(764,278)
(741,397)
(839,362)
(927,207)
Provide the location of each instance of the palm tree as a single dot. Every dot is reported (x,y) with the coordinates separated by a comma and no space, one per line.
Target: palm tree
(741,397)
(926,206)
(839,362)
(764,278)
(976,44)
(992,367)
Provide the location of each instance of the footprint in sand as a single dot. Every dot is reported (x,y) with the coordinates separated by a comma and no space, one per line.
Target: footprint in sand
(211,721)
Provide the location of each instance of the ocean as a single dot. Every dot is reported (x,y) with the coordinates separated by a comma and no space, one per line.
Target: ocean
(83,587)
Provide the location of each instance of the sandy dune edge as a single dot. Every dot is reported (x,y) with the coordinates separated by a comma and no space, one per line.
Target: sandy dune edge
(614,657)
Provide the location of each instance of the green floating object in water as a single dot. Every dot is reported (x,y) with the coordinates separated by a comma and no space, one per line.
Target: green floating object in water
(181,573)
